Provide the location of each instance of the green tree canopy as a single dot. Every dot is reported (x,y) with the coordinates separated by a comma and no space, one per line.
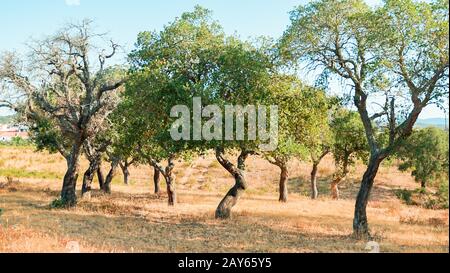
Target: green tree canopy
(398,51)
(426,155)
(349,145)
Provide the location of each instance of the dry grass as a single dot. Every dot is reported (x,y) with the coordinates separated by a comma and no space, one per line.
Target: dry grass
(134,220)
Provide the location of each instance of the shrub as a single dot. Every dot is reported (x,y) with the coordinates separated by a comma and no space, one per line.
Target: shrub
(17,142)
(443,193)
(405,195)
(57,204)
(425,155)
(428,200)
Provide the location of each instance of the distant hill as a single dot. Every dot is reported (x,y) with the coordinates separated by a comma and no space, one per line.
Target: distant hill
(431,122)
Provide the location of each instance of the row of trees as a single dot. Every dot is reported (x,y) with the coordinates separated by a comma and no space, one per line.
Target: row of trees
(75,104)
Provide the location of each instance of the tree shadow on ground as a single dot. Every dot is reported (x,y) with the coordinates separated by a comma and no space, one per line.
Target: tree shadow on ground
(348,189)
(124,233)
(166,231)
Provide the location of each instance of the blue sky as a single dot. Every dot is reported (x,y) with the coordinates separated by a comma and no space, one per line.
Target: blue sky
(21,20)
(124,19)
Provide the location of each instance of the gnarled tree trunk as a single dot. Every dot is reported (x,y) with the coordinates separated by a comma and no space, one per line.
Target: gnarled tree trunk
(112,172)
(170,181)
(360,224)
(156,180)
(87,179)
(169,176)
(68,192)
(223,211)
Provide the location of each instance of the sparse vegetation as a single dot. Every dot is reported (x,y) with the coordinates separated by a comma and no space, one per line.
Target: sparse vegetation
(15,173)
(17,142)
(133,212)
(231,121)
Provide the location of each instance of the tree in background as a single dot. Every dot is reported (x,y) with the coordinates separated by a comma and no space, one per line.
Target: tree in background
(65,88)
(319,139)
(94,151)
(240,82)
(425,154)
(349,145)
(170,68)
(288,94)
(302,118)
(106,140)
(403,42)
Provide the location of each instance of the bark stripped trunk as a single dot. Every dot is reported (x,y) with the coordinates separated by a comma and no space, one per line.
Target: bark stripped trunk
(112,172)
(339,177)
(360,224)
(283,183)
(314,190)
(68,192)
(223,211)
(335,188)
(284,176)
(168,175)
(156,180)
(170,182)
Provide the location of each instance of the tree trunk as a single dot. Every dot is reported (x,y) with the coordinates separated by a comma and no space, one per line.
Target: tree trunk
(126,172)
(100,176)
(170,181)
(340,175)
(360,224)
(168,176)
(87,179)
(423,185)
(283,183)
(68,192)
(112,172)
(156,180)
(335,188)
(314,191)
(223,211)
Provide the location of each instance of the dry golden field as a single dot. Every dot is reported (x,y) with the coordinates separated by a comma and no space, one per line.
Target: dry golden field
(132,219)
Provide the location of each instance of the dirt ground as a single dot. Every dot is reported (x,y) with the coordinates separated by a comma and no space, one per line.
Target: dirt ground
(133,219)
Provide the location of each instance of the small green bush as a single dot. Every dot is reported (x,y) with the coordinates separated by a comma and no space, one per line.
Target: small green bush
(57,204)
(429,200)
(405,195)
(17,142)
(443,194)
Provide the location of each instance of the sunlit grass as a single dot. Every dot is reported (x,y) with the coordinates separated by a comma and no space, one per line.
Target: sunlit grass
(19,173)
(132,219)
